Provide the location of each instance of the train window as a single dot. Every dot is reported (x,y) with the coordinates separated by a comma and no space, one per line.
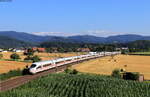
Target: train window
(46,65)
(58,62)
(33,65)
(38,67)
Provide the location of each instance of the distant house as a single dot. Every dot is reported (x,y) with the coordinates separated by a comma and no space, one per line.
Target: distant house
(34,48)
(41,49)
(38,49)
(122,48)
(16,50)
(19,50)
(83,50)
(4,51)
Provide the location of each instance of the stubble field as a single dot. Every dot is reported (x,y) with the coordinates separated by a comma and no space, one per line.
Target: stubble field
(106,65)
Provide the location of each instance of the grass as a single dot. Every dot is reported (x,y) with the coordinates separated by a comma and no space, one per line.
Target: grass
(81,85)
(10,74)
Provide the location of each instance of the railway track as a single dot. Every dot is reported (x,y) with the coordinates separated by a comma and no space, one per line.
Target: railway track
(16,82)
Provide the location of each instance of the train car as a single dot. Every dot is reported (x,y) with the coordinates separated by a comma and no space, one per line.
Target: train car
(45,65)
(41,66)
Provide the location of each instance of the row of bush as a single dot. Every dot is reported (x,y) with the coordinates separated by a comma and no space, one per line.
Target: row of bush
(119,73)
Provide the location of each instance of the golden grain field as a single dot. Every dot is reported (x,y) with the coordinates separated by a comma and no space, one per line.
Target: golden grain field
(43,56)
(6,66)
(105,65)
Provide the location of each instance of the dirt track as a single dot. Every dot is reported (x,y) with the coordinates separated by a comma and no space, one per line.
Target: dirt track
(13,83)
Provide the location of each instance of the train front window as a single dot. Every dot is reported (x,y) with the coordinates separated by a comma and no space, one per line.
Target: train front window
(33,65)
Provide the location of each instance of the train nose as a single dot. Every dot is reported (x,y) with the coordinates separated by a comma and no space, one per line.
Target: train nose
(32,70)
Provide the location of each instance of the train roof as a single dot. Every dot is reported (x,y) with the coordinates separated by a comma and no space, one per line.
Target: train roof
(43,62)
(53,61)
(67,58)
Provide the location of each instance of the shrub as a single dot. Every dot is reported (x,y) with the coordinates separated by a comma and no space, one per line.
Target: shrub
(1,56)
(25,71)
(28,58)
(34,58)
(131,76)
(29,52)
(74,71)
(11,73)
(14,56)
(69,71)
(116,73)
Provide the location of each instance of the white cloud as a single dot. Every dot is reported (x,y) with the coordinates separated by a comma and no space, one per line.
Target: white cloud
(102,33)
(99,33)
(54,34)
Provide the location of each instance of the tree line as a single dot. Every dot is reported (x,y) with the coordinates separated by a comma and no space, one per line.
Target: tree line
(73,47)
(135,46)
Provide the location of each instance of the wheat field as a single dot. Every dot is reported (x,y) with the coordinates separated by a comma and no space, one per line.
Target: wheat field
(105,65)
(6,66)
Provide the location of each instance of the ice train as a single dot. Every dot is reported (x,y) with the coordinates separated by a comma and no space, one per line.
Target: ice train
(45,65)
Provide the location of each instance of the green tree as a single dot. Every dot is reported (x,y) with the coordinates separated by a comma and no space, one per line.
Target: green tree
(33,59)
(14,56)
(28,58)
(29,52)
(74,71)
(49,50)
(36,58)
(1,56)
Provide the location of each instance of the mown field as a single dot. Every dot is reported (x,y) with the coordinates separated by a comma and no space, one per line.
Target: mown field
(82,85)
(6,65)
(106,65)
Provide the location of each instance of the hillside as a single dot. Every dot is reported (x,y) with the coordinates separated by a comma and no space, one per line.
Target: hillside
(30,37)
(7,42)
(141,44)
(83,85)
(87,39)
(75,39)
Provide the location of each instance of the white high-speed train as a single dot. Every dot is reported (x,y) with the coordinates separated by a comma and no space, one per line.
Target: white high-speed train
(45,65)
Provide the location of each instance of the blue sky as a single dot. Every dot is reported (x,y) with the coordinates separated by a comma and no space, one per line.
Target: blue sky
(73,17)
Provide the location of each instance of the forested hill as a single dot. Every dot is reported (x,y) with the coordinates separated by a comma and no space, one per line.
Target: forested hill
(7,42)
(139,45)
(23,36)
